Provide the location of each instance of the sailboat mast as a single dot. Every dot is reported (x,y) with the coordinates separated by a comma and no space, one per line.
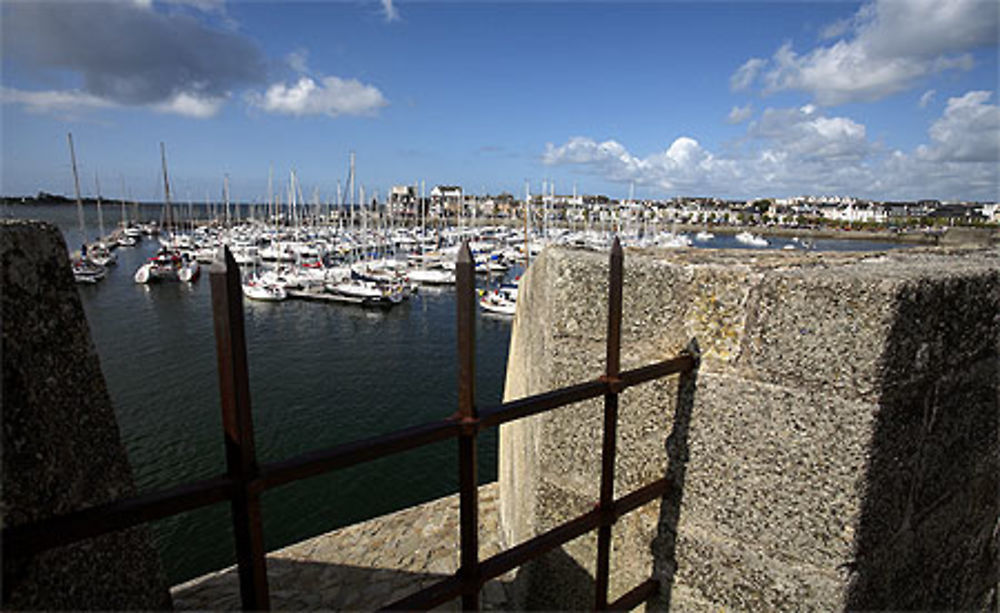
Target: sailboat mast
(225,192)
(166,186)
(100,214)
(527,211)
(76,185)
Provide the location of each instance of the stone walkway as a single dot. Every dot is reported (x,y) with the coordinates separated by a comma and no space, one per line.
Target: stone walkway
(365,566)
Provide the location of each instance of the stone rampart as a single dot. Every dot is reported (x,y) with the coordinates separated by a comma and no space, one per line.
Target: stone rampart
(836,448)
(61,448)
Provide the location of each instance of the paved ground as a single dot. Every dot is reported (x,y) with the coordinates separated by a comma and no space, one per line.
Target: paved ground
(365,566)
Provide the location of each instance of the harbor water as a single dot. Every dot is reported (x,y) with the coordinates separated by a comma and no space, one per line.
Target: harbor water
(320,374)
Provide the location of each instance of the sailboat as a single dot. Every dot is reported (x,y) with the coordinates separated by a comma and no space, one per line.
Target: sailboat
(84,269)
(167,264)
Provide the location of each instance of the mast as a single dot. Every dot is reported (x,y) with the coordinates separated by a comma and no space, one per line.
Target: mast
(76,185)
(225,196)
(270,193)
(527,211)
(100,215)
(166,186)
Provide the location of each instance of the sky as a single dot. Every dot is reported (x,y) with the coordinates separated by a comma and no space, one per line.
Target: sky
(887,99)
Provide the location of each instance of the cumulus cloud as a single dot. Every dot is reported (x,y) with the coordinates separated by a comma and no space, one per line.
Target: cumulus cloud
(739,114)
(806,134)
(127,54)
(889,46)
(803,151)
(968,131)
(331,96)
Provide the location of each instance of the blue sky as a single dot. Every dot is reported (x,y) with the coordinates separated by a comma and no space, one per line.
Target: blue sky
(886,99)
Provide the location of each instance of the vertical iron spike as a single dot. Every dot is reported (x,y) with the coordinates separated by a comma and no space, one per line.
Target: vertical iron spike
(465,288)
(615,281)
(237,423)
(609,442)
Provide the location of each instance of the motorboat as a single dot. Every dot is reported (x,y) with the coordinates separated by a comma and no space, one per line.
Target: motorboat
(751,239)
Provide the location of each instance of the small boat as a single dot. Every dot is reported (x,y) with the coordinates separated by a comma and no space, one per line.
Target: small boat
(751,239)
(369,292)
(502,301)
(126,240)
(254,289)
(100,254)
(704,236)
(431,276)
(85,271)
(167,266)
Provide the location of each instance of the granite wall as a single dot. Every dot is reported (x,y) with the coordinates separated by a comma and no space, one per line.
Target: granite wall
(61,448)
(836,448)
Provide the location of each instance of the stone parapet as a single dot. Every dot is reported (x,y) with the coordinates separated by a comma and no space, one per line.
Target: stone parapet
(837,447)
(61,447)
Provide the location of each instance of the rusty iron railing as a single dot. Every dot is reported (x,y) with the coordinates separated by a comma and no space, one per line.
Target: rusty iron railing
(245,479)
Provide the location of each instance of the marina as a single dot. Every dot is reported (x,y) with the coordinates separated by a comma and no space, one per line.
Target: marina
(324,370)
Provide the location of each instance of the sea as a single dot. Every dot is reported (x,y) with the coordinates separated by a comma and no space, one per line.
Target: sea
(320,375)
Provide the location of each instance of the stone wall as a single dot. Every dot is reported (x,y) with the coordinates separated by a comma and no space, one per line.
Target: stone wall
(61,449)
(837,447)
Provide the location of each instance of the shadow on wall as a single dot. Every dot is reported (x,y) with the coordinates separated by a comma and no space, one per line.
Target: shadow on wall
(928,529)
(664,546)
(558,582)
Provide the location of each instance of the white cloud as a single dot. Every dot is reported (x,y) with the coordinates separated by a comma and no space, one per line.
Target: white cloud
(746,74)
(390,11)
(739,114)
(803,151)
(54,102)
(926,98)
(891,45)
(330,96)
(191,105)
(969,131)
(72,103)
(805,134)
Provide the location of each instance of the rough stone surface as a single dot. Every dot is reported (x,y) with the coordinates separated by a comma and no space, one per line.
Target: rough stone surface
(837,447)
(61,448)
(365,566)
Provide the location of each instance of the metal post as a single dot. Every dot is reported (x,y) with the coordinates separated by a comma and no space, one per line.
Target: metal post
(237,421)
(610,426)
(465,286)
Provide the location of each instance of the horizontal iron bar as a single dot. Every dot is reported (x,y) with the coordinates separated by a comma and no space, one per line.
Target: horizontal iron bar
(681,363)
(451,587)
(94,521)
(318,462)
(636,596)
(431,596)
(539,403)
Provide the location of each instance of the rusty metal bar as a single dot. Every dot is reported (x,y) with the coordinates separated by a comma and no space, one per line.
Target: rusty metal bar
(29,539)
(612,367)
(546,401)
(636,596)
(493,567)
(53,532)
(465,308)
(539,403)
(237,422)
(315,463)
